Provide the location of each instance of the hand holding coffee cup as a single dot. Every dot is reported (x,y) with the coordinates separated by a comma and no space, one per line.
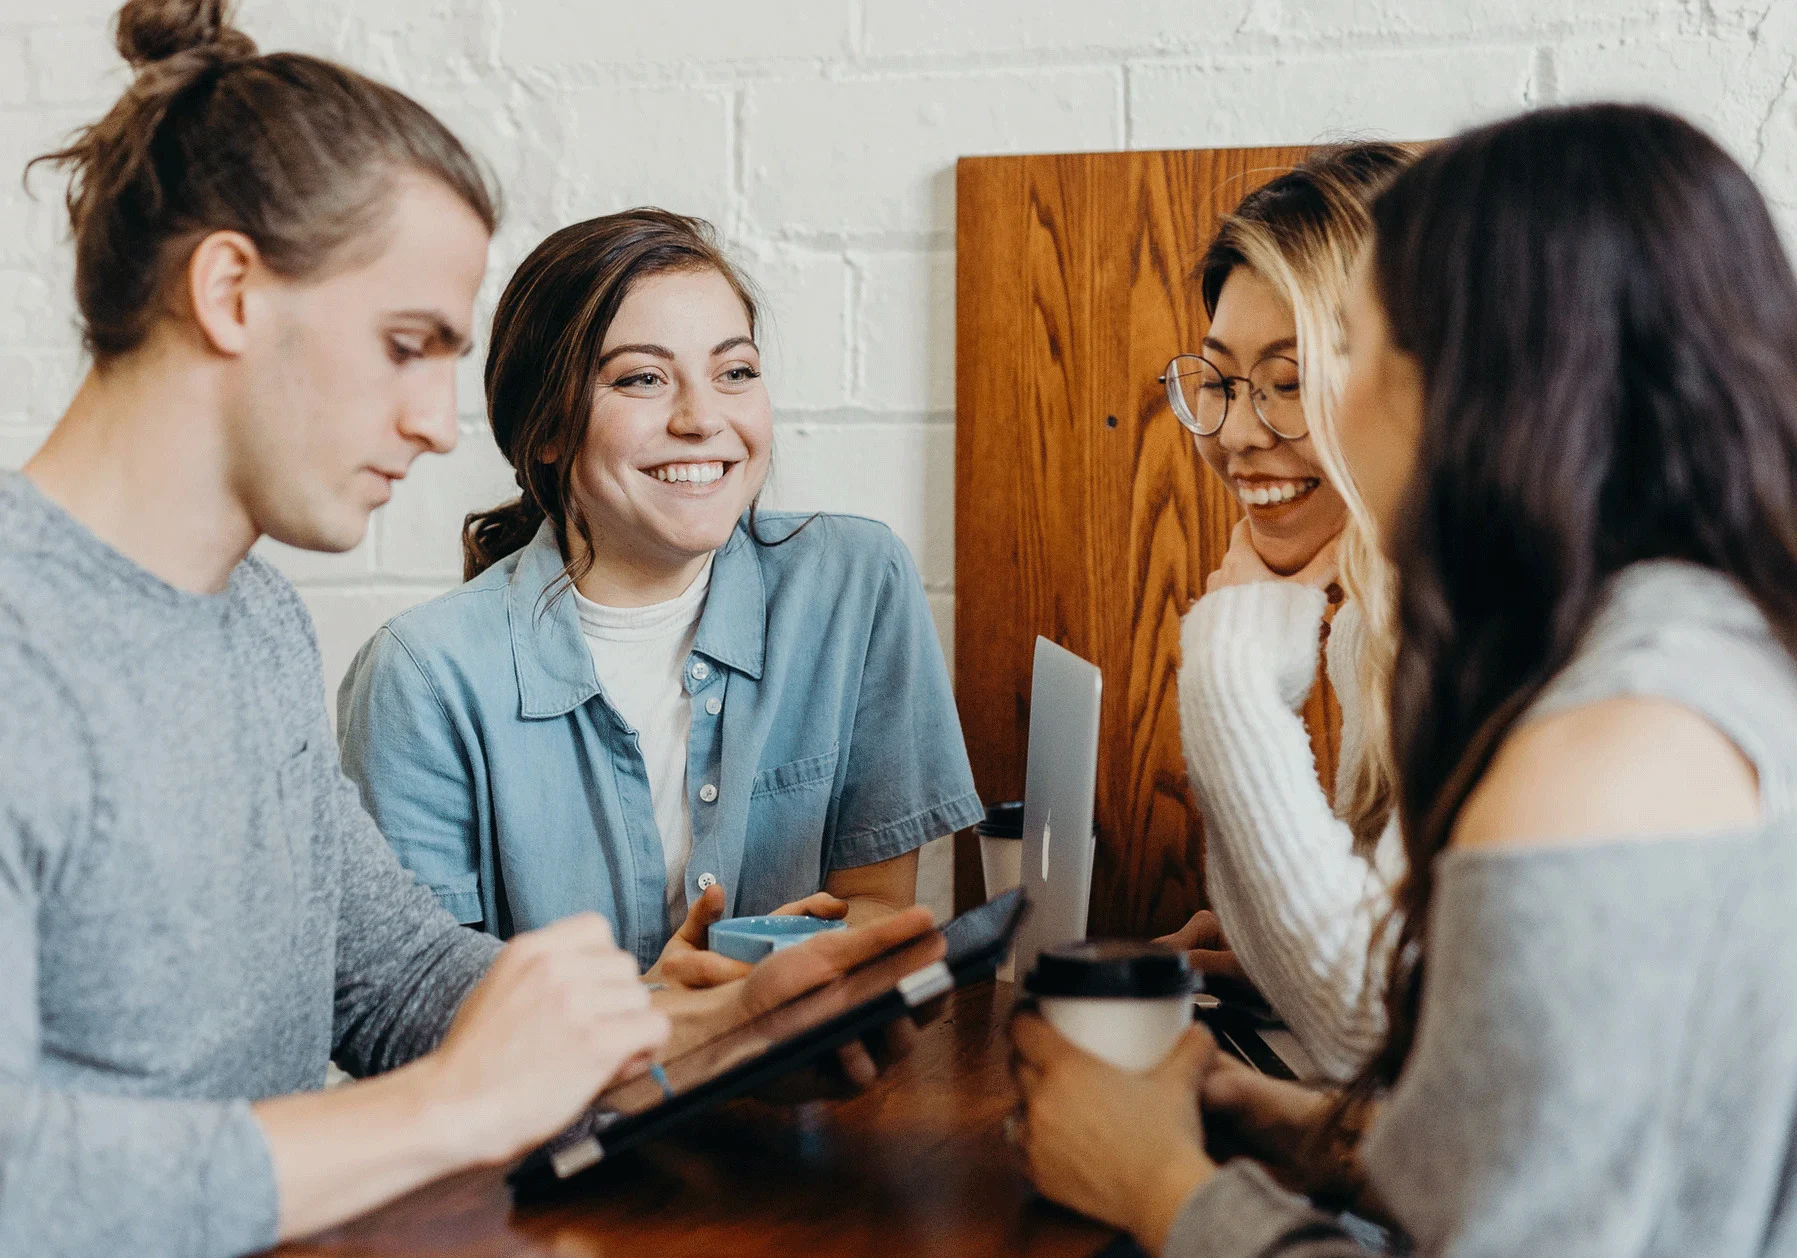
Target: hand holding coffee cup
(1123,1000)
(1122,1145)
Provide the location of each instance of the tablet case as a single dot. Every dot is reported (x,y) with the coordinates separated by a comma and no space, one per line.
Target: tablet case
(976,942)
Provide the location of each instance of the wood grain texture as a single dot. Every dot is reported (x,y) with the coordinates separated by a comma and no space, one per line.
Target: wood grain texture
(917,1165)
(1083,512)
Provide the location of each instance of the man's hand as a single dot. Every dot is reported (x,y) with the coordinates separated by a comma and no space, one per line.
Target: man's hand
(1202,941)
(687,960)
(559,1014)
(1123,1147)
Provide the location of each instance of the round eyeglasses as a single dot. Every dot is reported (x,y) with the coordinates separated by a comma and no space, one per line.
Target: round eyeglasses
(1200,395)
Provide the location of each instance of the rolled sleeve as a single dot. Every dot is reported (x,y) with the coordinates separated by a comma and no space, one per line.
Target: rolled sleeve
(906,780)
(402,750)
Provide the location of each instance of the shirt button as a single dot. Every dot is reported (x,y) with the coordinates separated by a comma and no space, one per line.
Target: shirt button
(707,882)
(714,706)
(708,792)
(701,670)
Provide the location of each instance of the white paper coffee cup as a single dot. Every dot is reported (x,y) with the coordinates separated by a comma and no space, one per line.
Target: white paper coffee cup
(1001,858)
(1001,847)
(1122,1000)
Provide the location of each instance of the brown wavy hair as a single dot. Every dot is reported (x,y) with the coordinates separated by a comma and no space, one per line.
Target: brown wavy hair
(299,154)
(1605,322)
(542,367)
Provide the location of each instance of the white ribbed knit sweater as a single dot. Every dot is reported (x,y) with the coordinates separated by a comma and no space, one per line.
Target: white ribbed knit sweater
(1296,903)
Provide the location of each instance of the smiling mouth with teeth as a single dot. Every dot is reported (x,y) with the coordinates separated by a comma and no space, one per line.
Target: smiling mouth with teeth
(1274,493)
(688,473)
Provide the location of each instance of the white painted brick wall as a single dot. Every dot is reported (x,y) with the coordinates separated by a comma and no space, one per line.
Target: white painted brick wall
(820,136)
(1296,96)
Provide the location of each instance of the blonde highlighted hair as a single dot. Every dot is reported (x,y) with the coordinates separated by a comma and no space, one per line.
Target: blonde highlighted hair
(1301,233)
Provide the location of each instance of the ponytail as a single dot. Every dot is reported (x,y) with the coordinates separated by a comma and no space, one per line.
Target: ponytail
(489,536)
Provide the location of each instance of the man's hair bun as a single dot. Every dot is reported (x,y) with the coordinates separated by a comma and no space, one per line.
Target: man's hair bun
(299,154)
(149,31)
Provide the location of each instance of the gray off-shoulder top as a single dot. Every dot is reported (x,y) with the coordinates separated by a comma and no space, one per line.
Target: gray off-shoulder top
(1607,1057)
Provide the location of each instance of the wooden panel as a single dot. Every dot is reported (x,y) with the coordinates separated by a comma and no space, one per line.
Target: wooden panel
(991,305)
(1082,511)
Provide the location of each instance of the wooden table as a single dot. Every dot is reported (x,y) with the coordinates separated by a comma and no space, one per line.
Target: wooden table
(917,1165)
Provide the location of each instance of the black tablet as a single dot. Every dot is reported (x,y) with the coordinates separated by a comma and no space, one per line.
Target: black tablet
(795,1034)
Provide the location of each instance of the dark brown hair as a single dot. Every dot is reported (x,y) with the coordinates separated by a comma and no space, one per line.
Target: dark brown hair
(1299,210)
(297,153)
(1606,327)
(542,367)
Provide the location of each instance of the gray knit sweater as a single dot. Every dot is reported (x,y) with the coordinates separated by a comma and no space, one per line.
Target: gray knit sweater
(195,911)
(1607,1059)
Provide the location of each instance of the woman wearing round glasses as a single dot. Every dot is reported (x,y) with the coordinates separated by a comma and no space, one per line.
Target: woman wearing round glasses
(1300,887)
(1242,399)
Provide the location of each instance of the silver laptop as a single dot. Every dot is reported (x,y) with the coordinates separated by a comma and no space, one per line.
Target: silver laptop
(1057,801)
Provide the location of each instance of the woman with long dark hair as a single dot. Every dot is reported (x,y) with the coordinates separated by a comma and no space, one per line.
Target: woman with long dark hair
(1572,411)
(651,699)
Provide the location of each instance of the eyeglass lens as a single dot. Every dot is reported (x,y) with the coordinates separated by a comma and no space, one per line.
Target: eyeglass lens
(1201,395)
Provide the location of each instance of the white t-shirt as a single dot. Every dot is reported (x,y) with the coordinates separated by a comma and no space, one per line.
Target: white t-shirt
(640,654)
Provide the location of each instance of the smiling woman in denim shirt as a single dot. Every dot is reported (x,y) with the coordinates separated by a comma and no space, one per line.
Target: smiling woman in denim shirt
(650,699)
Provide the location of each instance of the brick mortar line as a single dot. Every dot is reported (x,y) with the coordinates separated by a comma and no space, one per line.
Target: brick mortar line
(831,67)
(826,243)
(812,245)
(736,159)
(745,76)
(723,74)
(855,357)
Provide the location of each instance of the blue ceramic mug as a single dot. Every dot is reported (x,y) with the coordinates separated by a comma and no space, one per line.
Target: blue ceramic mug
(752,938)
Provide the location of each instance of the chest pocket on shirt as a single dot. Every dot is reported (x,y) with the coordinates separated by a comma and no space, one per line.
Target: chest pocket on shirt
(789,803)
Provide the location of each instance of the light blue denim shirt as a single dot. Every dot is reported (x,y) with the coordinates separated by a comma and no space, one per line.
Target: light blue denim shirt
(487,750)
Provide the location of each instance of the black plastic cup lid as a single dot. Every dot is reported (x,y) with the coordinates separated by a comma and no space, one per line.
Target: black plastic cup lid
(1113,968)
(1003,821)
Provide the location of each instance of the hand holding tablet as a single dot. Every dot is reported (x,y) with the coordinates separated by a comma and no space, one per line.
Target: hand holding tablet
(702,1018)
(800,1005)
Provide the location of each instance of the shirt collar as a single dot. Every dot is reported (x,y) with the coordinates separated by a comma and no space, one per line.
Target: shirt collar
(733,626)
(553,663)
